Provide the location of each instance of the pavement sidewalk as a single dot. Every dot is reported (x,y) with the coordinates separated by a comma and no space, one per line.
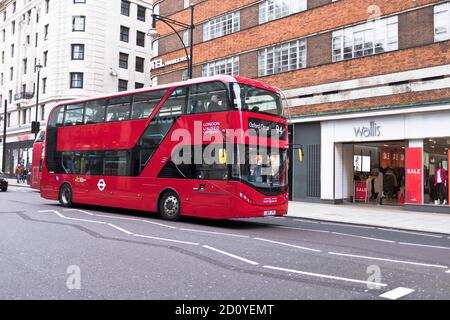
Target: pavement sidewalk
(13,183)
(380,216)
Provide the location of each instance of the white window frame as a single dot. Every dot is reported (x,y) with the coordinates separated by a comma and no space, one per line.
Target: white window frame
(275,9)
(228,66)
(442,22)
(282,58)
(79,24)
(366,39)
(222,26)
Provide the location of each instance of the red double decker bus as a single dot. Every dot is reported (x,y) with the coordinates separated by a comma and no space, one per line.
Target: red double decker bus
(210,147)
(36,163)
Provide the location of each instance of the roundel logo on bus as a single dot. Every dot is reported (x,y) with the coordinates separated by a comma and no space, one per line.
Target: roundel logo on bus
(101,184)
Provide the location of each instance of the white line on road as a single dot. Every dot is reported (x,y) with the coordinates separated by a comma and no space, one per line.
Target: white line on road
(361,237)
(307,221)
(424,245)
(302,229)
(326,276)
(82,211)
(288,245)
(231,255)
(213,232)
(397,293)
(74,219)
(346,225)
(389,260)
(165,239)
(122,218)
(410,232)
(120,229)
(448,271)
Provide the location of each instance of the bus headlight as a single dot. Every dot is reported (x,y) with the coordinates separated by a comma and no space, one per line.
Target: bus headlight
(245,197)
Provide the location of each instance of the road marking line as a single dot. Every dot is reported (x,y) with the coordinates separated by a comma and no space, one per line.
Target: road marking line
(345,225)
(120,229)
(307,221)
(410,232)
(326,276)
(448,271)
(75,219)
(397,293)
(165,239)
(213,232)
(424,245)
(231,255)
(288,245)
(294,228)
(389,260)
(123,218)
(82,211)
(367,238)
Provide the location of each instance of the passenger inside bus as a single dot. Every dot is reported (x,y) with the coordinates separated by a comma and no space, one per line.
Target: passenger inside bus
(216,104)
(198,107)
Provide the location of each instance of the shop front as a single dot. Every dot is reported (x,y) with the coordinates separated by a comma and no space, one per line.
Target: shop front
(395,159)
(18,152)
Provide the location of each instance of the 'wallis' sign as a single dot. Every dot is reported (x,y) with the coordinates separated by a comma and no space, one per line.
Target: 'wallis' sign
(373,130)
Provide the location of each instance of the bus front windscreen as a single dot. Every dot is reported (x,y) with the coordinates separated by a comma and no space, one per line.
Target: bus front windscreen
(263,169)
(248,98)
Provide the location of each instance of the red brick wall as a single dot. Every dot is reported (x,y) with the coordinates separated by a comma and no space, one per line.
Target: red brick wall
(416,28)
(317,3)
(318,49)
(281,30)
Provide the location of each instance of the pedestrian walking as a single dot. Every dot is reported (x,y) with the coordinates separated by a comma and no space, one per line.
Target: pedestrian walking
(18,173)
(440,181)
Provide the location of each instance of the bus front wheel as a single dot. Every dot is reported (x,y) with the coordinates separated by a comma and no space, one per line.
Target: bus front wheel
(65,195)
(170,206)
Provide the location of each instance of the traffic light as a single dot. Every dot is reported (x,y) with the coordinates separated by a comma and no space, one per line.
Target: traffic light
(35,127)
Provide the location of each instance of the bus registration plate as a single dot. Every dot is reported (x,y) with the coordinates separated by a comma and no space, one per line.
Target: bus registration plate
(270,212)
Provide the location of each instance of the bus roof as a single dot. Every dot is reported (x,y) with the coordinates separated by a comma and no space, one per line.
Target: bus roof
(222,78)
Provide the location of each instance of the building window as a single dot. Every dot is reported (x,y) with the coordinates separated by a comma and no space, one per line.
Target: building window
(25,65)
(366,39)
(123,85)
(221,26)
(24,116)
(138,85)
(228,66)
(45,33)
(14,7)
(3,35)
(274,9)
(12,51)
(141,12)
(47,6)
(282,58)
(43,112)
(11,73)
(79,1)
(76,80)
(78,23)
(45,58)
(124,34)
(36,40)
(78,52)
(44,85)
(13,27)
(125,8)
(442,22)
(140,64)
(140,39)
(123,60)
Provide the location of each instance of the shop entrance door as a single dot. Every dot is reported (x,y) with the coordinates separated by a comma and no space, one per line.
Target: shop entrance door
(379,172)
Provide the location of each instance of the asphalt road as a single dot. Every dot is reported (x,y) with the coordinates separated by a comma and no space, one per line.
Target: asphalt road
(48,252)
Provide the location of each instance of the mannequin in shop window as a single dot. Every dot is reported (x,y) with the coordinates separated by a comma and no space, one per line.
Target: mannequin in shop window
(440,182)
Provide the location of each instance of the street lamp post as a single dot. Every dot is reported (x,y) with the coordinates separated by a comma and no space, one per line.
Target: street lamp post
(170,22)
(35,126)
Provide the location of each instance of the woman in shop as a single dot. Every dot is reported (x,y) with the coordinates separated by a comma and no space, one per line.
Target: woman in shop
(440,182)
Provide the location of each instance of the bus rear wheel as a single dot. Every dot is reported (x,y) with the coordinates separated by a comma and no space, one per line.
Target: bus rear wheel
(170,206)
(65,196)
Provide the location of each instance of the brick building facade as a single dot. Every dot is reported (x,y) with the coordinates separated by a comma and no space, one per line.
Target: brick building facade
(338,62)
